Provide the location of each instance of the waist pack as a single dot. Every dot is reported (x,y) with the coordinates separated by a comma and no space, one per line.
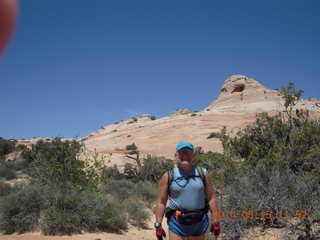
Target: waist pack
(185,217)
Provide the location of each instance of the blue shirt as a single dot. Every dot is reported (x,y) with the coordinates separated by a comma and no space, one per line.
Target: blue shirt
(187,193)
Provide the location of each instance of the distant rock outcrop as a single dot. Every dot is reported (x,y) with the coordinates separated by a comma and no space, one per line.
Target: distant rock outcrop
(246,95)
(241,94)
(179,112)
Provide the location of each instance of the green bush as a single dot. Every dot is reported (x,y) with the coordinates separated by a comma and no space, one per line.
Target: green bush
(5,189)
(124,188)
(130,171)
(103,214)
(137,212)
(7,170)
(57,211)
(22,165)
(147,191)
(221,169)
(6,146)
(57,162)
(111,173)
(134,196)
(60,222)
(20,210)
(120,189)
(154,167)
(74,211)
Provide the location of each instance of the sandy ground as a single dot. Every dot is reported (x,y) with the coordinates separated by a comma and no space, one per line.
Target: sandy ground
(140,234)
(86,236)
(132,234)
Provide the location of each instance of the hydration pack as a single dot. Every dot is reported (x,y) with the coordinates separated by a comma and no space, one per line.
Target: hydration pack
(169,212)
(171,177)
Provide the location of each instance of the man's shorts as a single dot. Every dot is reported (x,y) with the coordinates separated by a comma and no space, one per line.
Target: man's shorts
(197,229)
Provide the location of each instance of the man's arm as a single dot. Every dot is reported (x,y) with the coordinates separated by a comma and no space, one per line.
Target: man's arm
(162,198)
(211,197)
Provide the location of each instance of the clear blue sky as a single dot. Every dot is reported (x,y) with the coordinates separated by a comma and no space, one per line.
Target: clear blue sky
(76,65)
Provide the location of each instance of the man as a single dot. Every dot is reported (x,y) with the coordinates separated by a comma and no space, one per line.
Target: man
(189,189)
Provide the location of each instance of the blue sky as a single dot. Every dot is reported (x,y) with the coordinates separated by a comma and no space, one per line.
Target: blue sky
(76,65)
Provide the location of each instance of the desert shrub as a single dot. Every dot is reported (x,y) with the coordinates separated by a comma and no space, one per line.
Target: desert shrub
(130,171)
(274,142)
(124,188)
(280,192)
(21,164)
(133,150)
(20,210)
(101,214)
(6,146)
(221,169)
(57,162)
(7,170)
(134,196)
(137,212)
(74,211)
(198,151)
(154,167)
(147,191)
(5,189)
(59,222)
(58,211)
(120,189)
(134,120)
(111,173)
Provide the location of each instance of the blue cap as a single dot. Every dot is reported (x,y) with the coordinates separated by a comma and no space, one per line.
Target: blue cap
(185,145)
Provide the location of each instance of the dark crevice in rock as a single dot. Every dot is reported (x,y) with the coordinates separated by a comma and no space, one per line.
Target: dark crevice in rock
(223,89)
(238,88)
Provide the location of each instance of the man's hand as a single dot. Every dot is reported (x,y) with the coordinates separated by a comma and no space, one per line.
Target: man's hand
(215,228)
(160,233)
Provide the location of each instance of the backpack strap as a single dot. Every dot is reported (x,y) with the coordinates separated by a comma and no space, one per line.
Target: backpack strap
(171,178)
(203,177)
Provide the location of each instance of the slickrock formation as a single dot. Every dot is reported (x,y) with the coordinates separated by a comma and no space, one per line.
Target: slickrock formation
(180,112)
(241,94)
(240,99)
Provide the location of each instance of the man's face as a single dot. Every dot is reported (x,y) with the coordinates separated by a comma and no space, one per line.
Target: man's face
(185,155)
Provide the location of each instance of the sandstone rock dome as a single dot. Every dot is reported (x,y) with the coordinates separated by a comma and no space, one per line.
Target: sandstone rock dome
(243,94)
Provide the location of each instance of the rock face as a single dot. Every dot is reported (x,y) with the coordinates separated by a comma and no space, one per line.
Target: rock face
(240,99)
(241,94)
(246,95)
(180,112)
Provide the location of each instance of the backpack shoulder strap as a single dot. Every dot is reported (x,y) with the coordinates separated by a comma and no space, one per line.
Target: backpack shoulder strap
(170,173)
(170,176)
(202,176)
